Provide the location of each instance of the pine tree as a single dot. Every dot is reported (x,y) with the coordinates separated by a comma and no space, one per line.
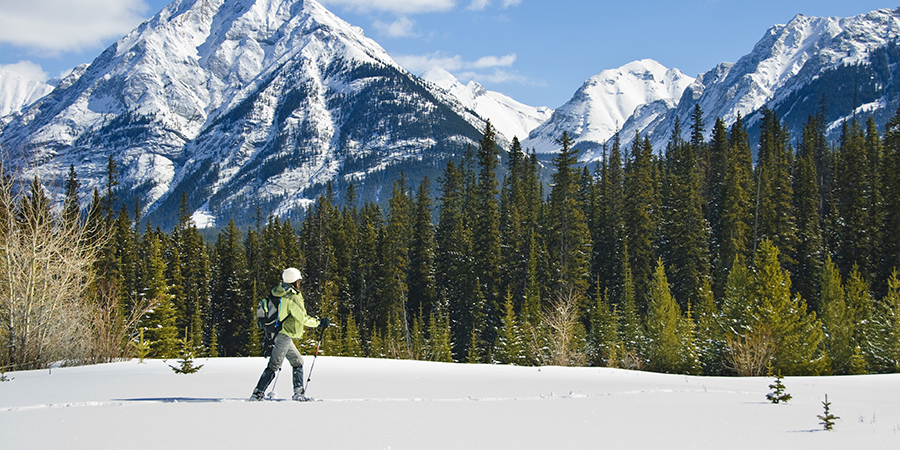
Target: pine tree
(159,323)
(486,233)
(663,315)
(857,202)
(393,268)
(810,249)
(827,420)
(453,260)
(231,302)
(861,309)
(633,336)
(608,227)
(421,278)
(603,337)
(438,343)
(836,322)
(568,238)
(735,237)
(796,334)
(352,340)
(774,218)
(778,395)
(640,223)
(71,204)
(684,228)
(885,341)
(890,176)
(508,348)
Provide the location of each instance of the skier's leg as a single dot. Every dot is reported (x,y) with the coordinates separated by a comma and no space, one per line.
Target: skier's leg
(275,361)
(296,360)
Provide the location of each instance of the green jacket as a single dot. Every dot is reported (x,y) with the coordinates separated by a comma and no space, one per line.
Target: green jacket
(292,311)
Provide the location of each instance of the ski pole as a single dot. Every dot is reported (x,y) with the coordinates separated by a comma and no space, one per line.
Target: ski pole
(313,365)
(272,392)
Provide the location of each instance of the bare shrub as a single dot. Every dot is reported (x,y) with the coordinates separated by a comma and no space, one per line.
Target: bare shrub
(749,355)
(561,320)
(45,268)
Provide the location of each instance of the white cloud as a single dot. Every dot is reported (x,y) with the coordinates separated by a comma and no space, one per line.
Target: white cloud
(64,25)
(402,27)
(487,69)
(511,3)
(421,63)
(26,70)
(395,6)
(478,5)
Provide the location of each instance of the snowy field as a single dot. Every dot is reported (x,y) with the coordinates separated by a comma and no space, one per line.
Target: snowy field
(387,404)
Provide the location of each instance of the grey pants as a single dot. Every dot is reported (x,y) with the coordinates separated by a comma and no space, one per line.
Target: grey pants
(284,348)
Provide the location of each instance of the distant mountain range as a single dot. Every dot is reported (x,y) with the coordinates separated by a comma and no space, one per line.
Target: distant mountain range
(850,63)
(241,104)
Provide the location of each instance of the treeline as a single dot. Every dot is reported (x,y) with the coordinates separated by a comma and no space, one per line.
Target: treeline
(688,259)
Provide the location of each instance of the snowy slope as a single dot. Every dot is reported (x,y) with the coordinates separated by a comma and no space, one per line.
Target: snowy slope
(508,116)
(19,88)
(378,404)
(789,57)
(234,100)
(605,101)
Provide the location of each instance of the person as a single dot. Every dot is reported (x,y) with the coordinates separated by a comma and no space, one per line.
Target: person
(292,315)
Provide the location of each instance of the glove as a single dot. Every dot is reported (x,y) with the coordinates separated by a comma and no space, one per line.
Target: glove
(323,323)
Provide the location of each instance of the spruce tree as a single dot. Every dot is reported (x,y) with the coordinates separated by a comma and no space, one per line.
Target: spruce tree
(861,309)
(508,348)
(774,218)
(885,339)
(603,336)
(836,321)
(890,176)
(486,233)
(231,303)
(71,204)
(421,278)
(810,248)
(568,238)
(159,323)
(608,231)
(684,229)
(392,271)
(663,315)
(736,234)
(640,223)
(796,334)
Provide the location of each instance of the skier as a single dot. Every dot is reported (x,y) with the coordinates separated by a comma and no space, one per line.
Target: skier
(292,315)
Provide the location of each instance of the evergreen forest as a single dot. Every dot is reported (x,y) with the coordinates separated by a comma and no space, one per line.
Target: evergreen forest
(697,258)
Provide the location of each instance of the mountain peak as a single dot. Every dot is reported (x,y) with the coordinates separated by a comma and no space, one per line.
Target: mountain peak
(240,101)
(606,100)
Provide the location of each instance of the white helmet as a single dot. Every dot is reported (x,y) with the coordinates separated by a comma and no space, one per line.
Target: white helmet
(290,275)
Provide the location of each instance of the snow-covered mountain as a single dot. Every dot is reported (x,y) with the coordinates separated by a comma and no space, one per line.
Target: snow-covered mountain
(509,117)
(845,60)
(604,103)
(19,88)
(851,63)
(239,104)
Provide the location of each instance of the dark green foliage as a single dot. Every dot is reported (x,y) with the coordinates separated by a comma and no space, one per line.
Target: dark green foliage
(684,229)
(568,237)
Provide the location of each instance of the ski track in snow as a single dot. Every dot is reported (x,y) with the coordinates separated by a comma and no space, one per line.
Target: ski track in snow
(176,400)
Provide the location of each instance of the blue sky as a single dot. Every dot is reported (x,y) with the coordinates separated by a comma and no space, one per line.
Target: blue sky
(537,52)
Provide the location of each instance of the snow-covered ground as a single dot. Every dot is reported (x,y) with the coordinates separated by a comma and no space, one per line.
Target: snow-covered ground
(382,404)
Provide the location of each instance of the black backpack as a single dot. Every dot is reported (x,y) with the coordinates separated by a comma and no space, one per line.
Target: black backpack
(267,319)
